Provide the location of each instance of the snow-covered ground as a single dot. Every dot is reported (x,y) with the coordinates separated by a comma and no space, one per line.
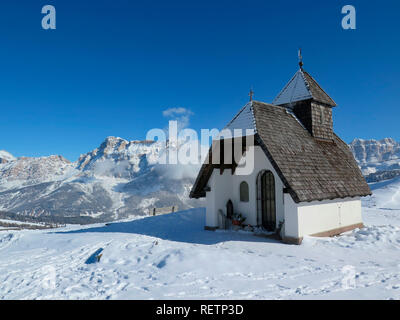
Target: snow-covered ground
(172,257)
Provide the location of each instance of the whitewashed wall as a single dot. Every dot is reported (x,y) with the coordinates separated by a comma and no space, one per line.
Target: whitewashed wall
(309,218)
(301,219)
(226,186)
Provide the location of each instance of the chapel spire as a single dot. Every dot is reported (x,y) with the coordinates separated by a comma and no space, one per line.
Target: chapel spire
(251,94)
(300,59)
(309,102)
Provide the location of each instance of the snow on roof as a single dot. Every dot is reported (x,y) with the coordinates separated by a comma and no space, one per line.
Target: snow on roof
(296,90)
(302,87)
(244,120)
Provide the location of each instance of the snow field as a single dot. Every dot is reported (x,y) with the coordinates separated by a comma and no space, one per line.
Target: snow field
(172,257)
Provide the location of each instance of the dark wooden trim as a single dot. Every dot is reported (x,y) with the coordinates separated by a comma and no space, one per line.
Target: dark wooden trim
(328,233)
(221,156)
(292,240)
(286,190)
(199,195)
(222,166)
(261,143)
(335,232)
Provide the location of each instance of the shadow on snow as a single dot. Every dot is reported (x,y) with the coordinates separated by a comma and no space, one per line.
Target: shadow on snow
(184,226)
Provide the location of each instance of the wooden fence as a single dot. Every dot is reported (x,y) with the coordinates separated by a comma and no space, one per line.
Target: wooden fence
(164,210)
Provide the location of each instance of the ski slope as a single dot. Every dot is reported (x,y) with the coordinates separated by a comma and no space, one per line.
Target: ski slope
(172,257)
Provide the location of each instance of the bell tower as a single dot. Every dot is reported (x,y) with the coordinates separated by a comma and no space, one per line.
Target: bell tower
(309,102)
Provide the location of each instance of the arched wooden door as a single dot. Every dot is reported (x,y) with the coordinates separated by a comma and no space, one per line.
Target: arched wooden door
(268,203)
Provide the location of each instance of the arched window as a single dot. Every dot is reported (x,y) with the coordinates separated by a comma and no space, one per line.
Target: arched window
(244,191)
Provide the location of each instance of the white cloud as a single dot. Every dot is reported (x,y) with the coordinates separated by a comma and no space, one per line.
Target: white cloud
(177,171)
(176,111)
(110,168)
(182,115)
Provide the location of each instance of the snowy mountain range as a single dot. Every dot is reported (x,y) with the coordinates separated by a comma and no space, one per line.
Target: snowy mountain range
(118,179)
(378,159)
(122,178)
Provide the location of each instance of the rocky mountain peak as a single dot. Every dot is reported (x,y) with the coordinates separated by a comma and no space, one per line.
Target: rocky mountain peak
(6,157)
(113,145)
(368,151)
(378,159)
(115,151)
(34,170)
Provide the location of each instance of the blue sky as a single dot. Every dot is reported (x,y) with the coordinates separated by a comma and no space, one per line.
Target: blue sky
(112,67)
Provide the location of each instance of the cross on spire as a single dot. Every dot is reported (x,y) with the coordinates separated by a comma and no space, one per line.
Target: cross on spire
(300,59)
(251,93)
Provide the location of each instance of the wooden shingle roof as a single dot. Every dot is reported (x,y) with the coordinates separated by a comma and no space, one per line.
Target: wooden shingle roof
(317,92)
(309,168)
